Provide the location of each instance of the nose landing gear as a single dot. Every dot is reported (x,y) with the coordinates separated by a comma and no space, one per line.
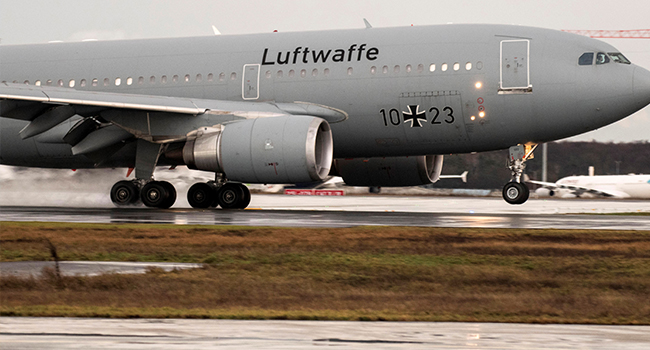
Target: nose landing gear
(515,191)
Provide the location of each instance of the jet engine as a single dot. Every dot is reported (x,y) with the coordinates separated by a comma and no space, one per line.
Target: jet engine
(285,149)
(390,171)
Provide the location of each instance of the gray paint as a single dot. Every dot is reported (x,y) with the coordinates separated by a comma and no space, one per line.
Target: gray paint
(566,99)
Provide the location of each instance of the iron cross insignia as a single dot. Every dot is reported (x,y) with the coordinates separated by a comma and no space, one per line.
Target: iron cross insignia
(414,116)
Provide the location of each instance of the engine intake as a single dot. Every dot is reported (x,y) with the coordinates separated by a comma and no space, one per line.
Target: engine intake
(390,171)
(286,149)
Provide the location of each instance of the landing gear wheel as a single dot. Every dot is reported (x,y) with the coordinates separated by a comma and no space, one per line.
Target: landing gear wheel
(246,200)
(515,193)
(171,194)
(201,195)
(158,194)
(124,193)
(232,196)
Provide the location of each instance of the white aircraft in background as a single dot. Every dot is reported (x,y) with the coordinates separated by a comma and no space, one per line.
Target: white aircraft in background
(614,186)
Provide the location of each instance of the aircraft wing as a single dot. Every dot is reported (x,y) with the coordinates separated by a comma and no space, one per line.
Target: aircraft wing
(578,190)
(105,119)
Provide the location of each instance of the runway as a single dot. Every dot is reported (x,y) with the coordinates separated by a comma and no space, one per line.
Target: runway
(295,211)
(141,334)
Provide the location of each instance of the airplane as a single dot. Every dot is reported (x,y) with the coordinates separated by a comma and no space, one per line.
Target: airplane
(613,186)
(376,106)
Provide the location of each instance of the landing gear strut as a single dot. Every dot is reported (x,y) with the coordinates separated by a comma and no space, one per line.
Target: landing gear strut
(515,191)
(228,195)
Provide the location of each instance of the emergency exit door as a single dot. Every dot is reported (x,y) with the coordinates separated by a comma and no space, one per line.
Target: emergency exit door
(251,82)
(515,65)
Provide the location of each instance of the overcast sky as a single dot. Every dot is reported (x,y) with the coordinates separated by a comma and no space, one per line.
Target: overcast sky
(39,21)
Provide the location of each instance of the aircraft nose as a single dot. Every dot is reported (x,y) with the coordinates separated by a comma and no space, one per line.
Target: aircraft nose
(642,86)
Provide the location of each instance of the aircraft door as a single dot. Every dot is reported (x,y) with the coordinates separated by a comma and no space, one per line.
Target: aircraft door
(251,82)
(515,65)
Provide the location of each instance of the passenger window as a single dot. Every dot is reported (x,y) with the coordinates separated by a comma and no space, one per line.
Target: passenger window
(268,74)
(187,78)
(152,80)
(48,82)
(468,66)
(163,79)
(107,82)
(432,67)
(326,71)
(175,78)
(456,66)
(314,72)
(291,73)
(210,77)
(71,83)
(479,65)
(587,59)
(37,83)
(444,67)
(373,70)
(233,76)
(82,83)
(601,58)
(280,73)
(94,82)
(199,78)
(384,69)
(222,76)
(26,82)
(118,81)
(349,70)
(618,58)
(396,69)
(303,73)
(420,68)
(140,80)
(59,83)
(129,81)
(408,68)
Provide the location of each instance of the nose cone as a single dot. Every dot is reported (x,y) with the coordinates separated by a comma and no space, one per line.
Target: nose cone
(642,86)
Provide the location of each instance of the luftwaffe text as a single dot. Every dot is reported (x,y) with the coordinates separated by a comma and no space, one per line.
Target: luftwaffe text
(306,55)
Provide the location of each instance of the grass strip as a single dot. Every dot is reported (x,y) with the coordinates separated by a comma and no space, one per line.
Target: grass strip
(361,273)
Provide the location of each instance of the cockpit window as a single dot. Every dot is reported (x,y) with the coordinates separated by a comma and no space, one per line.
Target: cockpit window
(618,57)
(601,58)
(587,59)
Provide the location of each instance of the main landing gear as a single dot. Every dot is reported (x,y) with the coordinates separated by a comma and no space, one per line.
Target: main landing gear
(515,191)
(156,194)
(229,195)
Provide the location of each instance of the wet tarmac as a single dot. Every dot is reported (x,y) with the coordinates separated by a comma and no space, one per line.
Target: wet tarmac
(87,268)
(77,333)
(342,213)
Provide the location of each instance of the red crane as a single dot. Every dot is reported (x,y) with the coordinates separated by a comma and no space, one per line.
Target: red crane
(615,34)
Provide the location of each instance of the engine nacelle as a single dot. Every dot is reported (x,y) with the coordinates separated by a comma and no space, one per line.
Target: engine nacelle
(286,149)
(390,171)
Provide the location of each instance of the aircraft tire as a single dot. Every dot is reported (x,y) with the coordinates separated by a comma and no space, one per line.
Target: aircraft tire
(156,195)
(201,195)
(171,195)
(246,200)
(231,196)
(515,193)
(125,193)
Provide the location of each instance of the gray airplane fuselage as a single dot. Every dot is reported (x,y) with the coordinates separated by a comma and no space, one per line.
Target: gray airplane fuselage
(407,91)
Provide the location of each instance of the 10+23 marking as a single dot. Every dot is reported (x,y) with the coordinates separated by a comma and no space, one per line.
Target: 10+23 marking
(416,117)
